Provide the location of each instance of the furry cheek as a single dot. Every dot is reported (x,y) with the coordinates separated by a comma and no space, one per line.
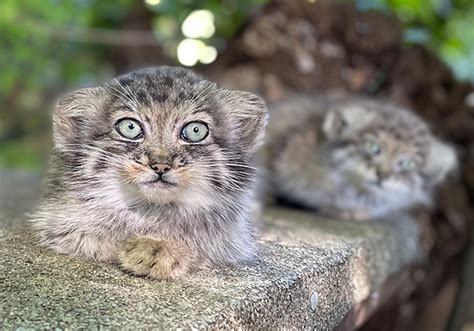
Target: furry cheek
(184,176)
(358,167)
(195,179)
(407,185)
(134,173)
(194,189)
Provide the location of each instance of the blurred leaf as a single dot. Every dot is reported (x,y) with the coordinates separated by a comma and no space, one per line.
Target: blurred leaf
(446,26)
(21,154)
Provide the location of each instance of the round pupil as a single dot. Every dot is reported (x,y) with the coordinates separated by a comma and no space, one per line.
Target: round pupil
(131,126)
(195,129)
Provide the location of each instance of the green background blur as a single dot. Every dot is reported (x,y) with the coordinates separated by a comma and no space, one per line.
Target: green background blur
(50,47)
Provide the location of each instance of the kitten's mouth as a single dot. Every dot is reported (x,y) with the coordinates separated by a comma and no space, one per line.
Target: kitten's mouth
(377,184)
(374,182)
(160,183)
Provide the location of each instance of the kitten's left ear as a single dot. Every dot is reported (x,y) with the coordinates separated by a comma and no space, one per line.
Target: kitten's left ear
(72,114)
(441,161)
(251,113)
(344,121)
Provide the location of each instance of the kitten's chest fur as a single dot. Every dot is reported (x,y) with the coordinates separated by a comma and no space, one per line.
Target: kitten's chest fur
(137,217)
(202,230)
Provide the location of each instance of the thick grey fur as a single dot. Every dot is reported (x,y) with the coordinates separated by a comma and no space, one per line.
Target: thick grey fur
(95,198)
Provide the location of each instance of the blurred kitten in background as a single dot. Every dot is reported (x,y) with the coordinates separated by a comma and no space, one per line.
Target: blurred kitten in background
(352,158)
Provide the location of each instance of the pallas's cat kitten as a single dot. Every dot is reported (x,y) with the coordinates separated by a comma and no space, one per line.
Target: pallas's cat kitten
(353,158)
(153,170)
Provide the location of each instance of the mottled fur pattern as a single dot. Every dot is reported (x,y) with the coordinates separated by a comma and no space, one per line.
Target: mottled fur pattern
(316,154)
(102,203)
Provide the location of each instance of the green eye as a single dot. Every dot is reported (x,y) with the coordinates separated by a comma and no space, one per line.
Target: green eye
(129,128)
(194,131)
(371,147)
(407,164)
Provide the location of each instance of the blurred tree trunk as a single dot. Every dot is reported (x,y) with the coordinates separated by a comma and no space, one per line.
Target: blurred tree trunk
(133,56)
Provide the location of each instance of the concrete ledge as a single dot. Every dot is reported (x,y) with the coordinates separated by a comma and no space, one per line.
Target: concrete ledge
(311,274)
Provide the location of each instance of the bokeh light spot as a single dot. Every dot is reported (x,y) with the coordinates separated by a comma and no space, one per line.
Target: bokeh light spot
(188,51)
(153,2)
(207,54)
(199,24)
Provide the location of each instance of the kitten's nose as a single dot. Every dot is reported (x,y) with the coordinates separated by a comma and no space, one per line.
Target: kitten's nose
(382,174)
(160,168)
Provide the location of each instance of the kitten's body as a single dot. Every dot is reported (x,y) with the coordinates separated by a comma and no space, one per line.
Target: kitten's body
(315,159)
(104,190)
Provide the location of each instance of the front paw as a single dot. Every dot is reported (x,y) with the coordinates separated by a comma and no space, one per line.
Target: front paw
(157,259)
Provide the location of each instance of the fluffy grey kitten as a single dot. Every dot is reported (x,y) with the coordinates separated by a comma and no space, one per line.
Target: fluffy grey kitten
(153,169)
(353,158)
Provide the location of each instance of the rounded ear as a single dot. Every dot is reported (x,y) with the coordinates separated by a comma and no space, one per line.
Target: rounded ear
(251,114)
(342,122)
(333,124)
(73,112)
(441,161)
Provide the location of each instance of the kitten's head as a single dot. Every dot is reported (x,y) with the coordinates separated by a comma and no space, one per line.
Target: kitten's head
(386,152)
(161,135)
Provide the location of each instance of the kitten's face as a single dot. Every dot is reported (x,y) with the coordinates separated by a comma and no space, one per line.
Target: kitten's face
(168,136)
(170,153)
(387,155)
(376,160)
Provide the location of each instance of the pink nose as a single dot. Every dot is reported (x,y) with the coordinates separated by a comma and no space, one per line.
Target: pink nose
(160,168)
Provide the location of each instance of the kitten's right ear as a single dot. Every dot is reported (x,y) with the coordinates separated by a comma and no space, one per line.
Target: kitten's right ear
(333,124)
(251,114)
(442,160)
(73,112)
(339,123)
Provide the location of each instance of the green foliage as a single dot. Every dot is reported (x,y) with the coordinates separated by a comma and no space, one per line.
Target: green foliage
(36,58)
(24,153)
(446,26)
(37,62)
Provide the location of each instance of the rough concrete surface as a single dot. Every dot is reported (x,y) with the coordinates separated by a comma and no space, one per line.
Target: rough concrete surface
(310,273)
